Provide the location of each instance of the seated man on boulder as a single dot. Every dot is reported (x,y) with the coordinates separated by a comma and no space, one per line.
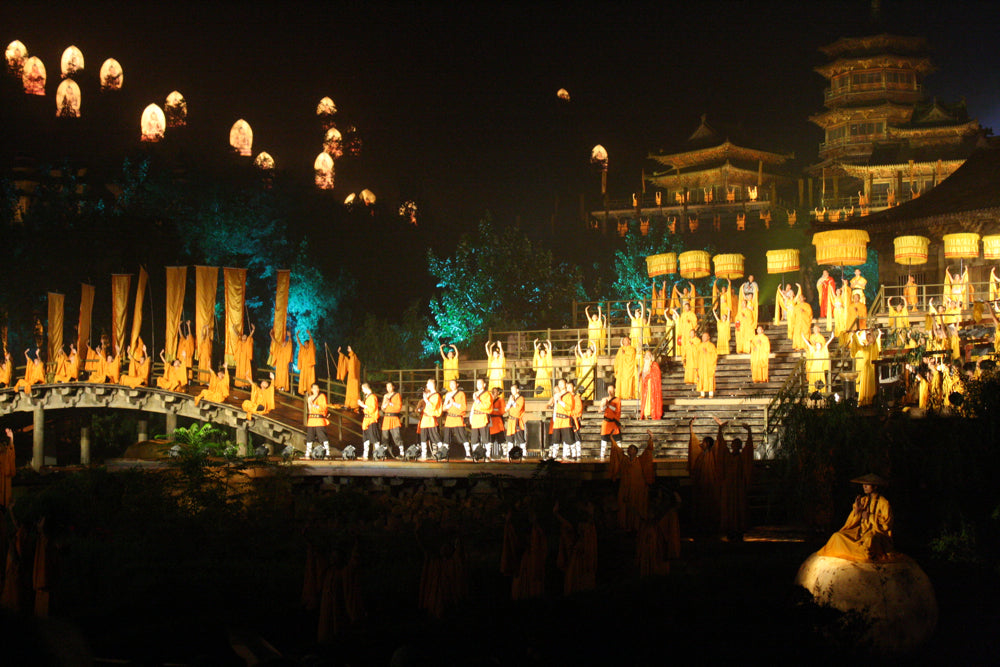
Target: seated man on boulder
(867,534)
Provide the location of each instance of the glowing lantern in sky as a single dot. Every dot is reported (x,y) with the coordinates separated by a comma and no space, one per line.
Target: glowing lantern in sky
(177,111)
(241,138)
(71,62)
(264,161)
(323,170)
(408,210)
(33,76)
(325,111)
(68,99)
(563,94)
(349,200)
(112,76)
(16,53)
(599,156)
(333,143)
(368,197)
(153,123)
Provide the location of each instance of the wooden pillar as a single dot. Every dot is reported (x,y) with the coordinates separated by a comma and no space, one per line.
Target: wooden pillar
(811,193)
(171,423)
(869,186)
(836,188)
(38,438)
(84,446)
(142,430)
(241,440)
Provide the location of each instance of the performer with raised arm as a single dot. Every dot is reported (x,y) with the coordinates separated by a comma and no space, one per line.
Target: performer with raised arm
(586,368)
(858,284)
(611,407)
(454,408)
(369,420)
(392,407)
(261,398)
(596,326)
(817,359)
(349,372)
(218,388)
(515,421)
(316,421)
(34,371)
(306,361)
(430,413)
(497,364)
(541,363)
(639,324)
(449,363)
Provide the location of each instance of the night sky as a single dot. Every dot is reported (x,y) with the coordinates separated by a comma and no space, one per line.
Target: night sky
(458,107)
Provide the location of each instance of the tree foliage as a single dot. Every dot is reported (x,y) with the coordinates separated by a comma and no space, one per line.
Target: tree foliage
(498,279)
(631,277)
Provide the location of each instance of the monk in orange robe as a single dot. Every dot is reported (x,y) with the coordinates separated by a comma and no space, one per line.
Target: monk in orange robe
(349,372)
(218,388)
(306,362)
(6,370)
(707,358)
(34,372)
(185,349)
(705,468)
(244,358)
(68,369)
(113,367)
(138,370)
(635,474)
(93,365)
(261,398)
(205,373)
(173,374)
(281,357)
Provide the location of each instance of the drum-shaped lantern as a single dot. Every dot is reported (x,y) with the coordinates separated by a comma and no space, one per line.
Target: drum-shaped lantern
(991,246)
(695,264)
(841,246)
(661,265)
(911,250)
(961,246)
(783,261)
(729,266)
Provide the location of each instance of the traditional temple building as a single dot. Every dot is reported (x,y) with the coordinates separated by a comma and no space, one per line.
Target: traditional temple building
(714,182)
(886,142)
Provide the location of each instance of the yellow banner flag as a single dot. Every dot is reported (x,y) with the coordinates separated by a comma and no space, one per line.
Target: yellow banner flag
(140,297)
(206,287)
(281,304)
(120,284)
(176,280)
(55,325)
(83,327)
(236,280)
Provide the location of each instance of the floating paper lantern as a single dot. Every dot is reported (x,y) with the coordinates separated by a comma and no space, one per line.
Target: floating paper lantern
(264,161)
(783,261)
(911,250)
(599,156)
(368,197)
(241,138)
(323,171)
(563,94)
(729,265)
(153,123)
(661,265)
(33,76)
(408,211)
(333,143)
(68,99)
(841,246)
(71,61)
(991,246)
(16,53)
(961,246)
(350,199)
(695,264)
(176,110)
(112,76)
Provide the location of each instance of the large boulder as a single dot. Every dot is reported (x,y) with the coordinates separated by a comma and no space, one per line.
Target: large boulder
(895,598)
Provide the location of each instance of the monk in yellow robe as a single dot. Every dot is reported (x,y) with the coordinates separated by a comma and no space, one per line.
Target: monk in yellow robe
(6,369)
(910,292)
(639,324)
(205,373)
(867,533)
(306,362)
(497,365)
(244,358)
(865,350)
(34,372)
(586,369)
(261,399)
(281,357)
(687,322)
(817,359)
(67,370)
(218,388)
(801,321)
(745,324)
(626,367)
(541,363)
(858,284)
(760,354)
(173,378)
(93,364)
(596,326)
(449,363)
(857,314)
(138,370)
(838,310)
(349,372)
(707,358)
(691,344)
(724,330)
(899,316)
(185,348)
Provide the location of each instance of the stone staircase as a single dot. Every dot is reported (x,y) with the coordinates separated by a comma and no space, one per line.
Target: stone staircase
(737,400)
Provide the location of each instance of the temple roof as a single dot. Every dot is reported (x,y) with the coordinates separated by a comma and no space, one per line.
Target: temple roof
(901,152)
(890,110)
(974,186)
(715,174)
(935,112)
(869,44)
(920,65)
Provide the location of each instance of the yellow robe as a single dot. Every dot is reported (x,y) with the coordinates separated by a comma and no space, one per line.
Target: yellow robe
(691,360)
(450,367)
(864,365)
(307,365)
(138,374)
(244,362)
(801,322)
(261,401)
(637,332)
(217,392)
(817,364)
(282,358)
(586,376)
(910,293)
(595,333)
(34,373)
(686,323)
(863,538)
(543,375)
(626,380)
(349,372)
(205,372)
(497,371)
(6,368)
(185,351)
(899,318)
(172,379)
(760,352)
(746,325)
(722,344)
(707,358)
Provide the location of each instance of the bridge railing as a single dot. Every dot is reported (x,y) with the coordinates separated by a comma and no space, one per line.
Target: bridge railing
(925,293)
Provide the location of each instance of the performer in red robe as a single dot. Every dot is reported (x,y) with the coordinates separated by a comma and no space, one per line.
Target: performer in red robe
(825,288)
(650,389)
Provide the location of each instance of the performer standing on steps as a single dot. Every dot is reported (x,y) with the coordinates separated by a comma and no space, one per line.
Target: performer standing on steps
(515,421)
(392,406)
(430,434)
(454,423)
(479,417)
(369,423)
(316,421)
(611,406)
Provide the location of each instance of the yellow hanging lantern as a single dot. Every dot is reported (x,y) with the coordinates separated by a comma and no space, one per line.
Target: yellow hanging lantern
(729,266)
(659,265)
(911,250)
(961,246)
(991,246)
(695,264)
(783,261)
(841,246)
